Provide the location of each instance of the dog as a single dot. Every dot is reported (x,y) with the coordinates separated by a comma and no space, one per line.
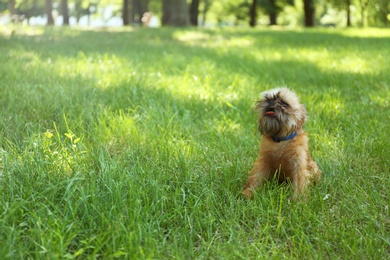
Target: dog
(284,152)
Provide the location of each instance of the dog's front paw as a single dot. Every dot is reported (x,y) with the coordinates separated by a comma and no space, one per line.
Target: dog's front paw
(248,193)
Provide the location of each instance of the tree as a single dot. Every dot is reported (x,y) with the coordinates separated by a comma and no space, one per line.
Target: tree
(273,7)
(49,12)
(309,12)
(206,7)
(194,12)
(348,9)
(138,9)
(28,9)
(64,11)
(343,5)
(79,10)
(175,13)
(363,7)
(253,13)
(238,9)
(11,7)
(380,10)
(125,12)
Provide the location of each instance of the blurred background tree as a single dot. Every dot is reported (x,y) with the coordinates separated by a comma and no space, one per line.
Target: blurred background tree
(65,12)
(343,5)
(272,8)
(175,13)
(308,13)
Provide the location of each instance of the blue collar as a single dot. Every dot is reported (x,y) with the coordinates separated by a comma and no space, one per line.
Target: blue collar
(287,137)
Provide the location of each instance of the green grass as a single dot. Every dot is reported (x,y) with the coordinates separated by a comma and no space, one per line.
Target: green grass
(136,143)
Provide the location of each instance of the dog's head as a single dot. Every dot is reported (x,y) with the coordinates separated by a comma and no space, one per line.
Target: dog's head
(280,113)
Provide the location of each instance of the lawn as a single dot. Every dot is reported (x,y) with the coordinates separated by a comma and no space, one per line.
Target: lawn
(136,143)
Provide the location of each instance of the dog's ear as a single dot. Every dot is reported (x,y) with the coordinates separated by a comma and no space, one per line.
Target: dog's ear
(302,116)
(259,105)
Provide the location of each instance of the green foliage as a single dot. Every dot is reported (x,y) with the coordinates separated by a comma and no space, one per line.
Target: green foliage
(136,143)
(3,5)
(272,6)
(30,8)
(379,12)
(227,10)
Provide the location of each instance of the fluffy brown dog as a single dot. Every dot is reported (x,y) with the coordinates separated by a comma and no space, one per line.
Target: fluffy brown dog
(284,151)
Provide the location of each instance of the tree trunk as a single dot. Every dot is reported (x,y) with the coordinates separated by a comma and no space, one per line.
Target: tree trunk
(206,8)
(125,12)
(137,10)
(175,13)
(77,8)
(253,13)
(64,11)
(272,18)
(133,12)
(143,8)
(363,5)
(272,12)
(11,7)
(194,12)
(309,11)
(348,2)
(49,12)
(385,12)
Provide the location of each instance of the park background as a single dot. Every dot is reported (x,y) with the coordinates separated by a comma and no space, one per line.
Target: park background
(207,13)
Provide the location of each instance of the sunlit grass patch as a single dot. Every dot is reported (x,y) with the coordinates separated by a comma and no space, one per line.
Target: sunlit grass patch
(100,69)
(366,33)
(62,154)
(212,40)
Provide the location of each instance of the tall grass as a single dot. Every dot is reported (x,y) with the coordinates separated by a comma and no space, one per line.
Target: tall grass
(136,143)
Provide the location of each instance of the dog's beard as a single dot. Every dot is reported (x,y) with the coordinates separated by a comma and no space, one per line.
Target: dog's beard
(277,125)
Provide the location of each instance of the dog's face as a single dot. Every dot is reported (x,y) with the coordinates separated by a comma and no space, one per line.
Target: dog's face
(280,113)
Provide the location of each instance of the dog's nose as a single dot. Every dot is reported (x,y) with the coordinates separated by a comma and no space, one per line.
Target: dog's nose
(271,103)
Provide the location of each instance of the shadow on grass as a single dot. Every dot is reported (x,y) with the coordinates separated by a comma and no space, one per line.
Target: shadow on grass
(144,45)
(162,51)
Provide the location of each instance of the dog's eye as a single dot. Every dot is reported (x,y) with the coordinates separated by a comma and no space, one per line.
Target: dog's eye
(284,104)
